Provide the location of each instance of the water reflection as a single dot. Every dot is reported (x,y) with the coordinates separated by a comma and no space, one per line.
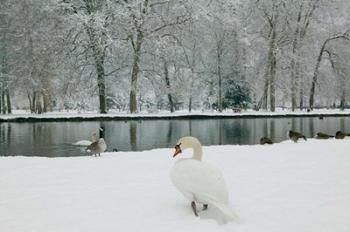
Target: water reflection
(132,132)
(311,126)
(55,138)
(342,124)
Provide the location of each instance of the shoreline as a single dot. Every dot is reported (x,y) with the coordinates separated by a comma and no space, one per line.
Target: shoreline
(67,117)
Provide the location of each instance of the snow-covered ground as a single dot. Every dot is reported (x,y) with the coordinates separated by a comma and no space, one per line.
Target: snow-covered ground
(302,187)
(166,114)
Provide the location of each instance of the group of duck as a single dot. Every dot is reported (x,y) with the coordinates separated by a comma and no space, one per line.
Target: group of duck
(204,185)
(295,136)
(201,183)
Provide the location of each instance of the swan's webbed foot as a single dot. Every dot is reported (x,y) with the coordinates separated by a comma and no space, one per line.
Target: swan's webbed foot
(193,205)
(205,207)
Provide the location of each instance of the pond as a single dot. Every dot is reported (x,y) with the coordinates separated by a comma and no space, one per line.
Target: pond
(55,139)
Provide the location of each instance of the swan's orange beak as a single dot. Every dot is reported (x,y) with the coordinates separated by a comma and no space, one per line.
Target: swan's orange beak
(177,150)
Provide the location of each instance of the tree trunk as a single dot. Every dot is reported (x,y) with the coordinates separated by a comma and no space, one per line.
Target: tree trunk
(101,85)
(8,102)
(46,102)
(314,78)
(294,81)
(265,94)
(0,102)
(300,83)
(190,97)
(301,97)
(295,60)
(135,72)
(98,46)
(32,102)
(167,82)
(38,107)
(220,79)
(3,102)
(272,58)
(342,100)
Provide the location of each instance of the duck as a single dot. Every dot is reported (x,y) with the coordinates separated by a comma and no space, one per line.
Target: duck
(295,136)
(341,135)
(200,182)
(99,146)
(265,140)
(321,135)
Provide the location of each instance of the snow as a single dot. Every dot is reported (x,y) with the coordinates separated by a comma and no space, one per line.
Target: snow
(20,114)
(286,187)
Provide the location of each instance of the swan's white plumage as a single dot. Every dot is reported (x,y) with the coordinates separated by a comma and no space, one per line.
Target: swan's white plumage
(83,143)
(199,181)
(86,142)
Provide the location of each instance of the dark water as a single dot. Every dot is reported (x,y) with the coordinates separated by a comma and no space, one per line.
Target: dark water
(54,139)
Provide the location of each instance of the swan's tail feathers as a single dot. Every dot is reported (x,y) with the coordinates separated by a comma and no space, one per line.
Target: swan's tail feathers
(226,211)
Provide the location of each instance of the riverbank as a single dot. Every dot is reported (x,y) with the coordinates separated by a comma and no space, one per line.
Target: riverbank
(284,187)
(21,116)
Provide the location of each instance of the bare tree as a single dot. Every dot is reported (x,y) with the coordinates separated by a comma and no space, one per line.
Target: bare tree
(95,18)
(303,19)
(271,13)
(145,24)
(344,36)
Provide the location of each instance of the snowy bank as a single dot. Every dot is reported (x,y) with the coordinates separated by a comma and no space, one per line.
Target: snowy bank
(21,116)
(301,187)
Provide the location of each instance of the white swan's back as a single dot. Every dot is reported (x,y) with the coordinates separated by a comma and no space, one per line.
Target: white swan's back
(199,180)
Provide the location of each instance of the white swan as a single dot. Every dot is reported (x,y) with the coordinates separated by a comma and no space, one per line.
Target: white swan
(86,142)
(200,182)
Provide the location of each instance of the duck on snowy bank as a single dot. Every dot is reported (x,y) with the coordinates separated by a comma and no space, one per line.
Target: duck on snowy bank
(295,136)
(200,182)
(265,140)
(341,135)
(321,135)
(98,146)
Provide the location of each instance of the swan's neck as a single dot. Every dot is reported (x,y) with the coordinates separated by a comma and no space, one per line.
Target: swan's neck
(197,152)
(94,137)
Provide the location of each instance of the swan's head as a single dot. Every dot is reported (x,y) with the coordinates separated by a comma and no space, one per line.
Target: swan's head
(184,143)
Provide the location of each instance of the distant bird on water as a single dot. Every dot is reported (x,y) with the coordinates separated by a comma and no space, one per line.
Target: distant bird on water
(321,135)
(341,135)
(295,136)
(265,140)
